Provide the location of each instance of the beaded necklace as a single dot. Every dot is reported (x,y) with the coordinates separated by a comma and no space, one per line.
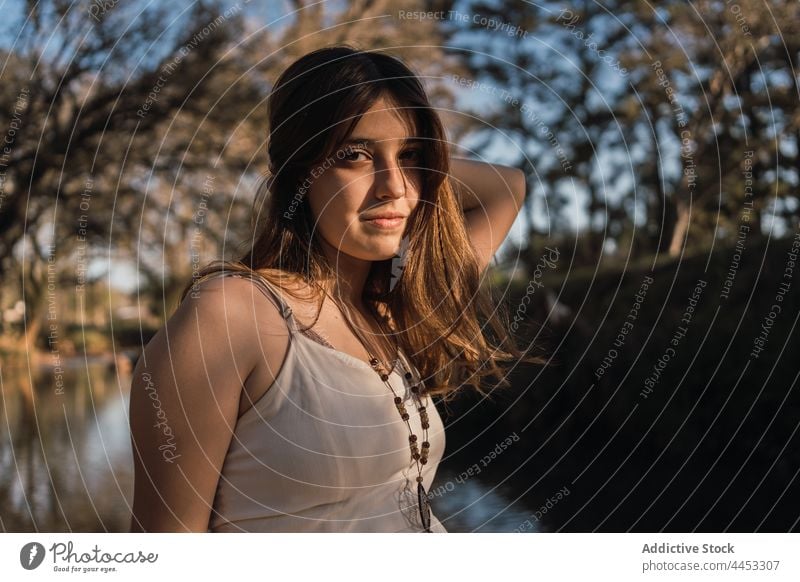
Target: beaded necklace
(417,393)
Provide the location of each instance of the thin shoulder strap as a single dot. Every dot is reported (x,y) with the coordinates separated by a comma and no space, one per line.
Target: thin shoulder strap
(267,289)
(291,322)
(273,293)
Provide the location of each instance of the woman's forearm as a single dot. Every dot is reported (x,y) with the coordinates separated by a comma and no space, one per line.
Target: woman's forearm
(479,184)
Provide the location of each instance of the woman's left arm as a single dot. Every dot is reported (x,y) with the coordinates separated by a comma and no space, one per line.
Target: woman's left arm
(491,197)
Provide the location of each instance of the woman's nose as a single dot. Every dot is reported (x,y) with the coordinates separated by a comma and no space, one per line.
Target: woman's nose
(391,180)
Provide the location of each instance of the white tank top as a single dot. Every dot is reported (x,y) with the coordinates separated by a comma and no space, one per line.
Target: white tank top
(324,449)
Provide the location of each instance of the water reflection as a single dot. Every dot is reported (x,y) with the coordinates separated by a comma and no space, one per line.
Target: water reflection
(65,459)
(474,505)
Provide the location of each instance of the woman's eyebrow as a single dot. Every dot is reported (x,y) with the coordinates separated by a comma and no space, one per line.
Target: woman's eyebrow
(370,142)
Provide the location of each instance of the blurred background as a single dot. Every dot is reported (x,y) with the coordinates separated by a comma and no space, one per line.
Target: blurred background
(654,264)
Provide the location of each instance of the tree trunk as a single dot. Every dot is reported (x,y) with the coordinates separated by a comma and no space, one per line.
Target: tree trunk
(681,227)
(32,329)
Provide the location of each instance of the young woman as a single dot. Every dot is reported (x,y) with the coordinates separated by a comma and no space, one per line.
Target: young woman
(291,390)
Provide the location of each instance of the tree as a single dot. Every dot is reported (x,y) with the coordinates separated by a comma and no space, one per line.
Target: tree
(645,114)
(99,89)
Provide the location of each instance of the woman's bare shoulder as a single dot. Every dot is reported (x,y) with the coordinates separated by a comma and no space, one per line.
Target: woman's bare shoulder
(303,297)
(236,297)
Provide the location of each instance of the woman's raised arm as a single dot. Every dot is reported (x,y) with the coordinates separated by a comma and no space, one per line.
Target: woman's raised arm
(491,197)
(184,405)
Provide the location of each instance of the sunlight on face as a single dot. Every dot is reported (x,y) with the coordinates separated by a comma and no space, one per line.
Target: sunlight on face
(378,171)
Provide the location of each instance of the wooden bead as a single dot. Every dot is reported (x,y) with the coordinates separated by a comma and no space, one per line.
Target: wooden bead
(415,389)
(413,438)
(405,416)
(423,460)
(408,376)
(384,377)
(424,424)
(420,478)
(398,400)
(425,444)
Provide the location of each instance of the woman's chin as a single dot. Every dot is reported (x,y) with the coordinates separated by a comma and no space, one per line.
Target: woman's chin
(383,255)
(379,252)
(374,253)
(375,257)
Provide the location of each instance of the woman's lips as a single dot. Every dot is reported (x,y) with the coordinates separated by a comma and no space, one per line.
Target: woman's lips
(386,223)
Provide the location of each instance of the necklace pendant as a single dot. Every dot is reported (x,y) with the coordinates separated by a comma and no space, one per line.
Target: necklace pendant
(424,507)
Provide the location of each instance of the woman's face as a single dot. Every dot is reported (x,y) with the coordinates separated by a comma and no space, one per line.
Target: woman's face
(376,171)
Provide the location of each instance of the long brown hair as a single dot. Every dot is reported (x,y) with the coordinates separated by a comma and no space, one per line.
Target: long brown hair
(439,310)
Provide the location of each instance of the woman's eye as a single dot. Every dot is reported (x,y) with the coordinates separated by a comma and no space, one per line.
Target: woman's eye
(412,154)
(350,155)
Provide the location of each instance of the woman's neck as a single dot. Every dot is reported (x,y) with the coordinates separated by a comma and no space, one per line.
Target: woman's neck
(350,276)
